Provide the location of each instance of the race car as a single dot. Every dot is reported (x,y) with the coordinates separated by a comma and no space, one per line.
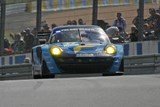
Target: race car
(77,49)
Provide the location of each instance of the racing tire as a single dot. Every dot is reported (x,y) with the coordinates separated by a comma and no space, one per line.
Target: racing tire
(36,76)
(112,74)
(121,69)
(118,73)
(45,71)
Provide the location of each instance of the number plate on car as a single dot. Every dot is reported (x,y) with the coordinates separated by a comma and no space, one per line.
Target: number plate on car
(84,55)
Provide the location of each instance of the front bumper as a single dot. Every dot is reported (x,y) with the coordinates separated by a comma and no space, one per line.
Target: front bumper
(71,65)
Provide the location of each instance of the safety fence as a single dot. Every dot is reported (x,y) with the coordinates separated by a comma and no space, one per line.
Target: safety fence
(133,65)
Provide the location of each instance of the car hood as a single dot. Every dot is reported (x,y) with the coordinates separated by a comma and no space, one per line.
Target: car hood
(79,47)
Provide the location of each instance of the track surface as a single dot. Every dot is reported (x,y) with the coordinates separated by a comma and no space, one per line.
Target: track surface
(122,91)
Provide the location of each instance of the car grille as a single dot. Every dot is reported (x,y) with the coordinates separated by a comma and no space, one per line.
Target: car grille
(84,65)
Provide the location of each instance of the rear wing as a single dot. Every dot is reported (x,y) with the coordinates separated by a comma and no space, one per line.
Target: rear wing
(43,37)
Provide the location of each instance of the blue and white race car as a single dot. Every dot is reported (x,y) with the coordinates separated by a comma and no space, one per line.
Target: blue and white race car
(77,49)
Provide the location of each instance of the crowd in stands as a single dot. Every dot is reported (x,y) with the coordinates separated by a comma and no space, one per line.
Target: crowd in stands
(26,39)
(151,28)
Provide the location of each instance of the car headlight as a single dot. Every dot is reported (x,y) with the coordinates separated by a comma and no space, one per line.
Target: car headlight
(56,51)
(110,50)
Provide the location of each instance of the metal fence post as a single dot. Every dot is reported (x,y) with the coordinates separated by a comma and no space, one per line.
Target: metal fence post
(2,25)
(94,12)
(38,18)
(141,20)
(39,14)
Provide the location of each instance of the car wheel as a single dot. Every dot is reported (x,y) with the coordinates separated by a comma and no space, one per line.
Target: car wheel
(118,73)
(108,74)
(121,69)
(35,76)
(45,71)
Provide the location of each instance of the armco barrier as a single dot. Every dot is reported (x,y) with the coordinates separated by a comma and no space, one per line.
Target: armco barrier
(22,71)
(146,64)
(133,65)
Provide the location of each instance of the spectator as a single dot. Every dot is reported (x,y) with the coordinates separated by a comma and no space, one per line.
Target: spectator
(122,35)
(43,22)
(154,22)
(29,40)
(46,28)
(158,10)
(120,22)
(18,45)
(34,31)
(53,25)
(23,34)
(136,20)
(107,25)
(69,22)
(134,34)
(9,50)
(80,22)
(104,25)
(12,35)
(6,43)
(74,22)
(149,33)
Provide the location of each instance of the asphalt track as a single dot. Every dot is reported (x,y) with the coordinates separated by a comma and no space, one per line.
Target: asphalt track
(120,91)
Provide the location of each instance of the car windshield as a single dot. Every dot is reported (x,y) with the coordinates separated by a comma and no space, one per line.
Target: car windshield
(79,35)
